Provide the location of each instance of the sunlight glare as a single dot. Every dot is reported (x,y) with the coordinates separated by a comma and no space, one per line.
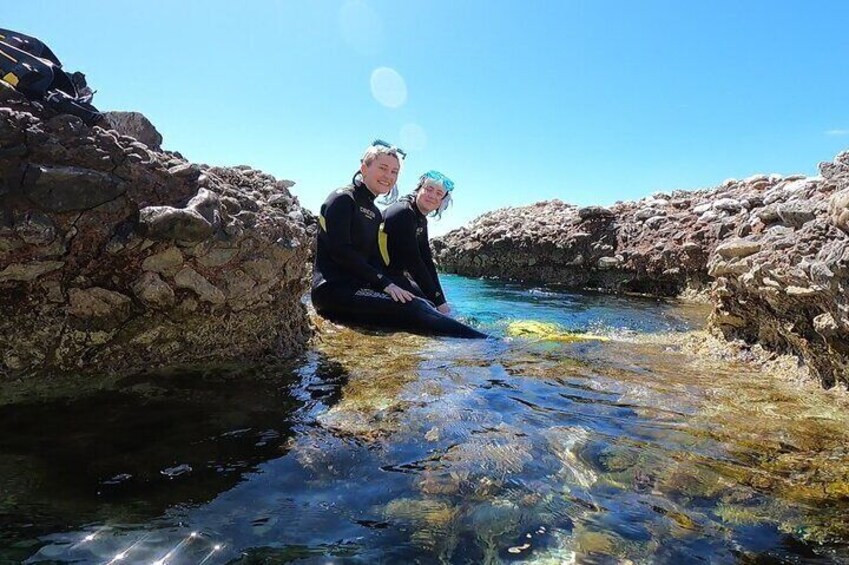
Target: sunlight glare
(388,87)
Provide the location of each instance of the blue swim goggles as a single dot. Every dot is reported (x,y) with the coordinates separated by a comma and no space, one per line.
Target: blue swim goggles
(381,143)
(436,176)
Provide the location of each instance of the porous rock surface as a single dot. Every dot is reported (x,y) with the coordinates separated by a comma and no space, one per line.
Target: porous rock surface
(115,257)
(784,285)
(772,251)
(134,124)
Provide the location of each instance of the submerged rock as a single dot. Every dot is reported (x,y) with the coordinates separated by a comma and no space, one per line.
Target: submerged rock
(117,257)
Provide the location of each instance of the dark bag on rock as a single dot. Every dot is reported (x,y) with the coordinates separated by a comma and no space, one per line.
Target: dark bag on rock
(34,70)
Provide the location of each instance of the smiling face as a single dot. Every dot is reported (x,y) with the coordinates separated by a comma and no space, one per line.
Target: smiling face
(381,173)
(429,197)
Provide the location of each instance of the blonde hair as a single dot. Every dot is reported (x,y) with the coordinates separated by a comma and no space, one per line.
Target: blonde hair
(372,153)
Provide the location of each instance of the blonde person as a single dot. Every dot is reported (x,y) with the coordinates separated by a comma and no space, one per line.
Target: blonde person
(350,285)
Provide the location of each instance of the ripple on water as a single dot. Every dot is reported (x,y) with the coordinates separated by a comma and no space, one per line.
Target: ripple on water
(403,448)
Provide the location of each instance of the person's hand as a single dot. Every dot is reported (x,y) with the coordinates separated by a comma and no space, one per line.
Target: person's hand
(444,309)
(398,294)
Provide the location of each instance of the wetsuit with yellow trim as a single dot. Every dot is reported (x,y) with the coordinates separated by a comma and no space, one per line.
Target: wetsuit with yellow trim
(347,285)
(347,240)
(405,249)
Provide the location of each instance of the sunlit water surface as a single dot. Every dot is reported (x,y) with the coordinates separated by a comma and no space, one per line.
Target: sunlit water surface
(376,448)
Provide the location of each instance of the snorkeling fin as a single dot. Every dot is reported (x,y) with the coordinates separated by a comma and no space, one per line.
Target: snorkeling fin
(548,331)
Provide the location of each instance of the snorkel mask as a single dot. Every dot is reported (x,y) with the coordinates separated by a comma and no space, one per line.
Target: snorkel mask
(435,178)
(381,147)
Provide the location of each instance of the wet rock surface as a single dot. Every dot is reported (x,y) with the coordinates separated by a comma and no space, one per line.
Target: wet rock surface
(771,250)
(115,256)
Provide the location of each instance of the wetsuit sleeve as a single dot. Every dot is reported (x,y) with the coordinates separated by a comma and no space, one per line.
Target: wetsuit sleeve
(427,258)
(338,215)
(401,228)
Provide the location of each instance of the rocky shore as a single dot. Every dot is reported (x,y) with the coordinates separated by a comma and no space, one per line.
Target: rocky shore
(118,256)
(769,252)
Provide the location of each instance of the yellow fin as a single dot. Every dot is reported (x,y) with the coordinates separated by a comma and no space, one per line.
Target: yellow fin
(547,331)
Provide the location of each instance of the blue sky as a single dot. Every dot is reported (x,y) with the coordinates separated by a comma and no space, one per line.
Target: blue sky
(587,101)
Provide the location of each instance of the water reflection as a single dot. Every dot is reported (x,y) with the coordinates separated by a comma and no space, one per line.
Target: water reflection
(402,449)
(146,445)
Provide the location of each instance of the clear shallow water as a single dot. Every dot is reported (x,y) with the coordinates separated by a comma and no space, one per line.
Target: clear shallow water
(492,304)
(403,449)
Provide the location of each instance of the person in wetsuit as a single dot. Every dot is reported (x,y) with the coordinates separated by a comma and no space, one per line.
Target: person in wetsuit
(349,283)
(404,243)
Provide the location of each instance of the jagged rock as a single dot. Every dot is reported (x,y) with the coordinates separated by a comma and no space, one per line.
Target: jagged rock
(768,214)
(774,252)
(738,248)
(168,261)
(192,280)
(795,213)
(608,262)
(725,268)
(838,209)
(153,291)
(591,212)
(646,213)
(98,302)
(825,325)
(136,125)
(179,224)
(729,205)
(208,205)
(656,221)
(25,272)
(218,256)
(35,228)
(67,189)
(120,257)
(839,166)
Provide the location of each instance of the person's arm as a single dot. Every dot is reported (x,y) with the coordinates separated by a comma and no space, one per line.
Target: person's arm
(427,259)
(338,216)
(401,228)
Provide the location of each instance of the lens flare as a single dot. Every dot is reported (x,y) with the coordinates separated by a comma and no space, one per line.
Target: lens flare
(388,87)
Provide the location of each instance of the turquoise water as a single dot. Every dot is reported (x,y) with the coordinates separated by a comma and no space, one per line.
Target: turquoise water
(376,448)
(490,304)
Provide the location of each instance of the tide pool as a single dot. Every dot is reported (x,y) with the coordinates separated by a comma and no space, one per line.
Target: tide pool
(393,448)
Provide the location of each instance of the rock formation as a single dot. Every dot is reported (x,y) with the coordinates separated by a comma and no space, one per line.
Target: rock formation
(134,124)
(784,285)
(772,250)
(117,257)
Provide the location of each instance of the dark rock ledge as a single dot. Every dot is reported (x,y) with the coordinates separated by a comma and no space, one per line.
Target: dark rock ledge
(769,252)
(116,256)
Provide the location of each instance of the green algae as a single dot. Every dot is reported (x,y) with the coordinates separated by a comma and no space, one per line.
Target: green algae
(783,438)
(626,451)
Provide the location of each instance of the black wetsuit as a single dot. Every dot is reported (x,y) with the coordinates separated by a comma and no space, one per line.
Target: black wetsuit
(405,249)
(348,279)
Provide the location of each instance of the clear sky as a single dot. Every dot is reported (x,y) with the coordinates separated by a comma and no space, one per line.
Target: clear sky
(588,101)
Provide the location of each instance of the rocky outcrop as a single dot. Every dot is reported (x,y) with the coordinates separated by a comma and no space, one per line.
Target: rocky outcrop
(785,284)
(771,249)
(115,257)
(136,125)
(658,245)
